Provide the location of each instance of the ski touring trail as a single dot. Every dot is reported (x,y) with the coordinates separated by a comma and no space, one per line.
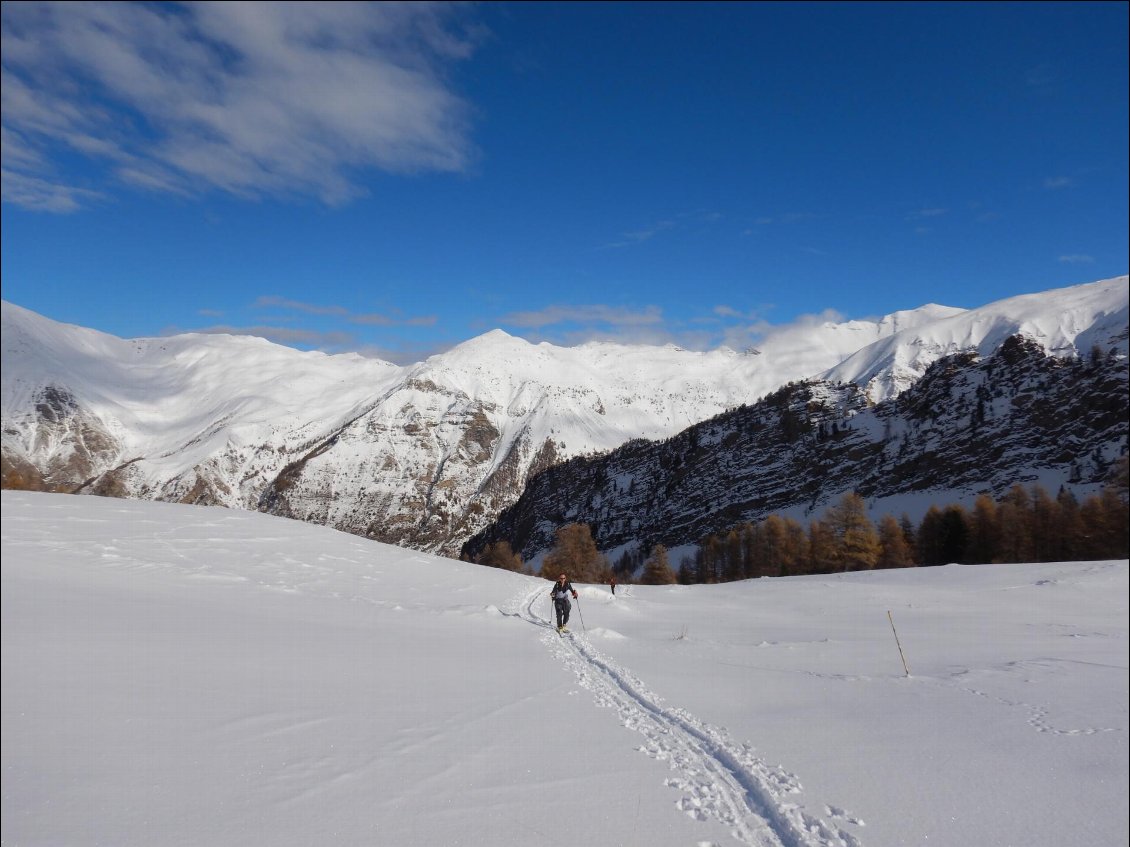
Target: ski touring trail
(717,777)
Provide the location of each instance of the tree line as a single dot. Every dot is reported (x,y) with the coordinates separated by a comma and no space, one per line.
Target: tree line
(1026,524)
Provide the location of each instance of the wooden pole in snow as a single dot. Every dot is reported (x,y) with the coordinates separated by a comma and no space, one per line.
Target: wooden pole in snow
(895,631)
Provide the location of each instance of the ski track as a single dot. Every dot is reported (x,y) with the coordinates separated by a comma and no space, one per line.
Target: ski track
(717,777)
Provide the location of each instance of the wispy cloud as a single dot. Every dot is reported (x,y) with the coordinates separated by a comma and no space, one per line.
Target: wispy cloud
(723,311)
(616,316)
(784,219)
(698,219)
(374,319)
(328,341)
(724,325)
(270,301)
(253,99)
(1077,259)
(1055,183)
(639,236)
(43,195)
(566,325)
(756,330)
(367,318)
(1044,78)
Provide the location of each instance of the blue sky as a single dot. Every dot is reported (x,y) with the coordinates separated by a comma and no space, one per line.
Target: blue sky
(396,179)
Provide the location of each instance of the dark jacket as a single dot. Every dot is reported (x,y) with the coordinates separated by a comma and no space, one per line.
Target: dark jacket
(563,591)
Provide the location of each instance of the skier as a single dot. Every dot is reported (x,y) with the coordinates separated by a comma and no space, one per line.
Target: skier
(612,584)
(560,593)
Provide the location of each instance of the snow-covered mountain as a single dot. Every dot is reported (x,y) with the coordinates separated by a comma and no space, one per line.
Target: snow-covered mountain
(969,426)
(427,455)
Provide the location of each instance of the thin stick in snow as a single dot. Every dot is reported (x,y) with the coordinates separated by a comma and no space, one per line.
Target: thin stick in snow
(895,631)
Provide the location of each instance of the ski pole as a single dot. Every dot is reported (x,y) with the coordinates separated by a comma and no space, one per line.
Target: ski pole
(581,614)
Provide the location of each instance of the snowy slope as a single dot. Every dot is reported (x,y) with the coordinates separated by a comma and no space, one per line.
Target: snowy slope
(188,675)
(176,401)
(1066,322)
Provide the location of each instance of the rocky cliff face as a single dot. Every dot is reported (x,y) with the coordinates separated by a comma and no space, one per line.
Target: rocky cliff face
(425,470)
(968,426)
(76,444)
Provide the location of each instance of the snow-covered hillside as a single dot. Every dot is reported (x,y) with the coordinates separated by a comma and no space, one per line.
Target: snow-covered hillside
(1065,322)
(970,426)
(429,454)
(191,675)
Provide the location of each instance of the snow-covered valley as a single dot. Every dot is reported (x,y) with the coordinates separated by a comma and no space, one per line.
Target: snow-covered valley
(193,675)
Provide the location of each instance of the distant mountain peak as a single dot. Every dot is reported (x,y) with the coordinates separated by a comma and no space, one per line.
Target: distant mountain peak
(426,455)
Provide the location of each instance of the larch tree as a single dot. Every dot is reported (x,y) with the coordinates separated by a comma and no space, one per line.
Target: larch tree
(894,552)
(1015,514)
(823,549)
(657,570)
(575,554)
(857,539)
(984,531)
(500,555)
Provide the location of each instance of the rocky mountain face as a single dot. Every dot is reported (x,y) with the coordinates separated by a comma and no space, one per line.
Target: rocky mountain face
(969,425)
(424,469)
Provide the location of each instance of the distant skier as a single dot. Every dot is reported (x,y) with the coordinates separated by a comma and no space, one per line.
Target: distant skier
(612,584)
(560,593)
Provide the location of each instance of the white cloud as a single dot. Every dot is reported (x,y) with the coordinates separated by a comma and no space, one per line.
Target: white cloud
(617,316)
(725,326)
(1054,183)
(698,219)
(639,236)
(756,330)
(1077,259)
(249,98)
(42,195)
(927,213)
(367,319)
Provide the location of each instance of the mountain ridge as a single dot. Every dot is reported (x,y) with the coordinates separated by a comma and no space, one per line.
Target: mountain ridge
(969,426)
(427,455)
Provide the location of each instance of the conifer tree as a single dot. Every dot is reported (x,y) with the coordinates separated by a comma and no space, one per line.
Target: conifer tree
(711,560)
(1071,541)
(575,554)
(910,535)
(823,550)
(1015,515)
(795,559)
(984,531)
(1116,509)
(500,555)
(894,551)
(1045,523)
(756,552)
(954,538)
(772,557)
(1104,517)
(930,537)
(734,567)
(857,540)
(657,570)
